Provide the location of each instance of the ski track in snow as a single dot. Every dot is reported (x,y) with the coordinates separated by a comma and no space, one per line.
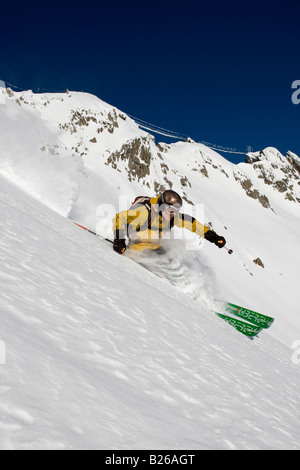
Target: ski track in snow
(102,354)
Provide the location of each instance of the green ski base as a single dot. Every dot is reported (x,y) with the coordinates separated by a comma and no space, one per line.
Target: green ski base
(256,318)
(243,327)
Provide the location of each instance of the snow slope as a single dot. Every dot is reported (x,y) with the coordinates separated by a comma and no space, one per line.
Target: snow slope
(102,356)
(101,353)
(87,160)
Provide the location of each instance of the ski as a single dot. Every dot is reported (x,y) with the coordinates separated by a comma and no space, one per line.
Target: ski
(243,327)
(256,318)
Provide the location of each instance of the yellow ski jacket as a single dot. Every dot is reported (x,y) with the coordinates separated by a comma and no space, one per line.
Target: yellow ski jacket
(146,229)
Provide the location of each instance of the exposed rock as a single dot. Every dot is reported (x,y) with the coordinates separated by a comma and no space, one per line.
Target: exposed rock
(259,262)
(164,168)
(204,172)
(185,182)
(247,185)
(282,173)
(137,156)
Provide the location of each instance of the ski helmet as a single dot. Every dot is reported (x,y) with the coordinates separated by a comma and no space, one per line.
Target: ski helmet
(171,198)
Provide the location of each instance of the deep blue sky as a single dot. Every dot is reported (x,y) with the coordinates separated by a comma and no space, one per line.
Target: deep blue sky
(218,71)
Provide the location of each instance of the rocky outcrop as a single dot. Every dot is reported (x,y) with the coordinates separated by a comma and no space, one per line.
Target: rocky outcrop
(136,154)
(250,190)
(279,172)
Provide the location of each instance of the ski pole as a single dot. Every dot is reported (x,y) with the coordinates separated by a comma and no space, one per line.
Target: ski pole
(229,250)
(93,233)
(84,228)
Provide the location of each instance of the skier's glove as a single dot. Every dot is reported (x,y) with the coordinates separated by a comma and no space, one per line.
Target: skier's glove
(212,237)
(220,242)
(119,246)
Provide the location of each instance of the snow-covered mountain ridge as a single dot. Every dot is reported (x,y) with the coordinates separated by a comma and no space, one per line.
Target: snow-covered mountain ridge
(84,325)
(102,135)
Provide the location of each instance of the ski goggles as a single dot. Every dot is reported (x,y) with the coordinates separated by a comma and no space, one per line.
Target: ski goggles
(172,209)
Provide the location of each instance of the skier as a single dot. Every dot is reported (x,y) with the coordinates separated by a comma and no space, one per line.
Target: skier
(149,218)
